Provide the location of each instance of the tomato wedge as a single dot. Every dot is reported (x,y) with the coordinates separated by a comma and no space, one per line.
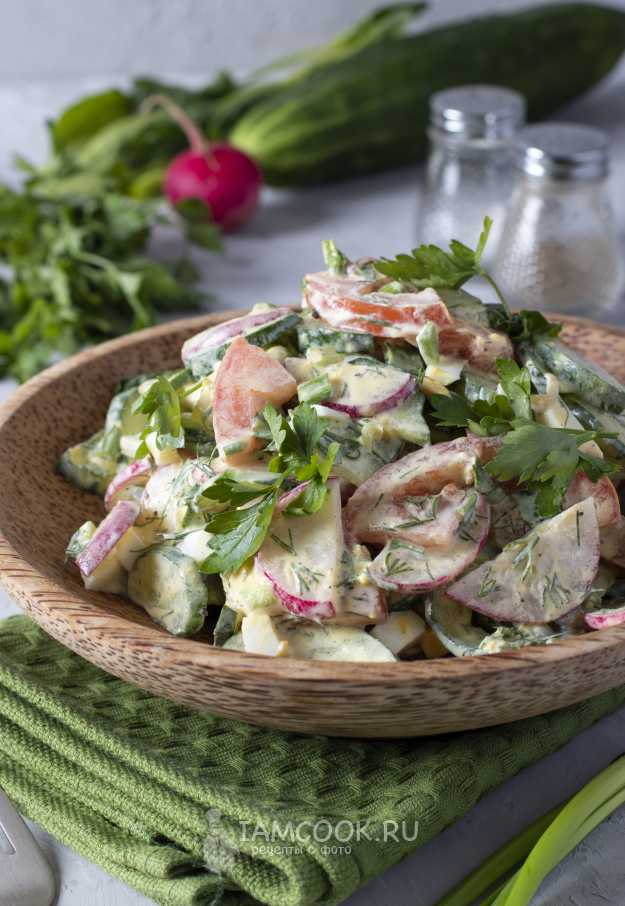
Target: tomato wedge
(247,379)
(358,305)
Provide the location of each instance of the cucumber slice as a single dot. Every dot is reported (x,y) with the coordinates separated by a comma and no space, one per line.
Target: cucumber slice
(120,413)
(452,624)
(92,464)
(405,358)
(79,540)
(269,334)
(228,624)
(355,462)
(170,588)
(596,420)
(590,382)
(325,643)
(405,422)
(309,333)
(477,386)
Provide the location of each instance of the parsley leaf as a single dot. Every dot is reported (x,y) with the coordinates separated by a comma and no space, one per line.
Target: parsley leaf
(238,534)
(494,415)
(517,386)
(429,265)
(523,326)
(227,489)
(161,403)
(546,459)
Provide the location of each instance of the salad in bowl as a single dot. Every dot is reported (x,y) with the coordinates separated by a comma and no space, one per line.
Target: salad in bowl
(394,470)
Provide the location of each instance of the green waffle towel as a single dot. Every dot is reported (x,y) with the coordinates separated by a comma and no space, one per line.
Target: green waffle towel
(193,809)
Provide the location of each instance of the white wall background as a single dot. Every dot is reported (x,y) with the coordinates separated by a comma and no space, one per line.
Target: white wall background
(56,39)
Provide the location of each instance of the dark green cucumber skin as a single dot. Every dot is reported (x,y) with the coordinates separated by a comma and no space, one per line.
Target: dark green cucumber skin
(266,335)
(591,382)
(613,446)
(370,112)
(343,341)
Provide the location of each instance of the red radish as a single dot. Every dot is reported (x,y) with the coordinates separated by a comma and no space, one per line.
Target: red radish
(221,333)
(354,304)
(248,378)
(221,176)
(604,619)
(106,536)
(432,520)
(135,473)
(603,493)
(386,397)
(613,543)
(426,471)
(540,577)
(301,557)
(405,566)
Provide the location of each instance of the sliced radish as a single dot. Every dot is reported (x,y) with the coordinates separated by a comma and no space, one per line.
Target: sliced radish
(419,474)
(432,520)
(479,346)
(364,387)
(603,493)
(221,333)
(301,557)
(358,305)
(604,619)
(106,536)
(407,566)
(540,577)
(248,379)
(135,473)
(613,543)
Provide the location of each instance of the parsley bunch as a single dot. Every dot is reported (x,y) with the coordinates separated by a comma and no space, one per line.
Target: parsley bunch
(78,275)
(239,531)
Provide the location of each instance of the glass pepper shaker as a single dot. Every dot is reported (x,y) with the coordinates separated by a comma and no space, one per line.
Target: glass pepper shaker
(559,249)
(469,171)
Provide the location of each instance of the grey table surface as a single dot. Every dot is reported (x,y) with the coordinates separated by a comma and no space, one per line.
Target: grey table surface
(264,263)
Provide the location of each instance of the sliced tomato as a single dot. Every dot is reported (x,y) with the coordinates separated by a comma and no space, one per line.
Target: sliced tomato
(354,304)
(247,379)
(480,346)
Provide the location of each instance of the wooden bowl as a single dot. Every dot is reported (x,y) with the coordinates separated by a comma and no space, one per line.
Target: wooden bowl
(39,511)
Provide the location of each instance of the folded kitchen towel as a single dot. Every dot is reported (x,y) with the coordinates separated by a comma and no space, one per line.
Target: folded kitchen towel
(194,809)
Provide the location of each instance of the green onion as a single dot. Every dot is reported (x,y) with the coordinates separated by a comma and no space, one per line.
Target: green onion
(578,818)
(544,844)
(316,390)
(499,864)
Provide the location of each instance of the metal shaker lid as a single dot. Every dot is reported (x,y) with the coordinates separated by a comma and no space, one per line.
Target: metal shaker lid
(477,111)
(563,151)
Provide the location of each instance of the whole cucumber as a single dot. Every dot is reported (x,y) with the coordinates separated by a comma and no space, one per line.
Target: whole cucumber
(370,112)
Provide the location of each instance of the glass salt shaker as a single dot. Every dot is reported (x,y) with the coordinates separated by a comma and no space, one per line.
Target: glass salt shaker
(469,172)
(559,249)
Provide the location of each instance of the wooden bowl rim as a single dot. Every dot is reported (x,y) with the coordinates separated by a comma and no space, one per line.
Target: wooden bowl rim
(45,591)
